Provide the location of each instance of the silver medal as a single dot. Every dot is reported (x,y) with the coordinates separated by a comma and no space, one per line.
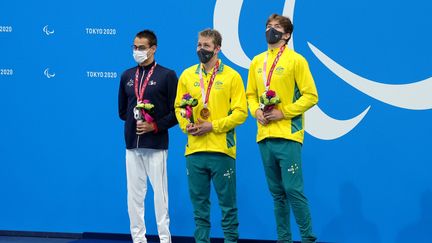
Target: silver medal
(137,114)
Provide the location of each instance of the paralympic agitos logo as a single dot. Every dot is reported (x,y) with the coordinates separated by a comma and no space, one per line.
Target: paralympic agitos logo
(412,95)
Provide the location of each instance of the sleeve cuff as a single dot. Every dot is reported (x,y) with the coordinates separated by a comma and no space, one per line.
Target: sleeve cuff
(156,129)
(215,126)
(253,110)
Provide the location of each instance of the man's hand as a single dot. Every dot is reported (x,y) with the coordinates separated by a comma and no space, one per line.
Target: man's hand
(273,115)
(190,128)
(260,117)
(143,127)
(201,128)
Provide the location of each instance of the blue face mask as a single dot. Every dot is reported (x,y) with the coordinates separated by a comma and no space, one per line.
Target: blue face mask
(273,36)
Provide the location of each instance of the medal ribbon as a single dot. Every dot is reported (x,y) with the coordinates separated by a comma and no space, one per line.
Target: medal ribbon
(205,96)
(139,92)
(266,78)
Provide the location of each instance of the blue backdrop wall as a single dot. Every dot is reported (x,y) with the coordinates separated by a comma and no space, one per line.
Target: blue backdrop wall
(367,150)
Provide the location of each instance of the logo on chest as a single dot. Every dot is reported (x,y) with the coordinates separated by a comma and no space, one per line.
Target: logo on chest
(279,70)
(152,83)
(130,83)
(218,85)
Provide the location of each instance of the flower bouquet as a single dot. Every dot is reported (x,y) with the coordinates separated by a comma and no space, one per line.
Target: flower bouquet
(268,100)
(143,110)
(186,105)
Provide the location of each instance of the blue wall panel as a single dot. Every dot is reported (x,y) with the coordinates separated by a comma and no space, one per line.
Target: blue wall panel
(61,142)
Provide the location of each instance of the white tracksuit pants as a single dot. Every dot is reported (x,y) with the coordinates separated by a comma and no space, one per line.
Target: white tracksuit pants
(140,164)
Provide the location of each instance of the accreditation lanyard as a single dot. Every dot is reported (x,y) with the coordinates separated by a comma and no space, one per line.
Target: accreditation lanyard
(205,95)
(266,78)
(139,91)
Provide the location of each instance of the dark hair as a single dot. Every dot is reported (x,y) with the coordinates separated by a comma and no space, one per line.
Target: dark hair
(149,35)
(214,34)
(285,22)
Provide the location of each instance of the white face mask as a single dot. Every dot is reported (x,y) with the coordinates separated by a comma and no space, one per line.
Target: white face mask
(140,56)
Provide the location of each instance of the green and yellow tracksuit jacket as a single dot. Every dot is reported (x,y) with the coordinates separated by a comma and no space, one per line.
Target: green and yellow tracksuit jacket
(293,83)
(227,105)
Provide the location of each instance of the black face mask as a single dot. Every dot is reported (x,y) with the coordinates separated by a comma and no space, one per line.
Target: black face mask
(273,36)
(204,55)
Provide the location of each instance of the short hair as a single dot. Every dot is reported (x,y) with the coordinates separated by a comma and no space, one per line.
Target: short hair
(285,22)
(149,35)
(214,34)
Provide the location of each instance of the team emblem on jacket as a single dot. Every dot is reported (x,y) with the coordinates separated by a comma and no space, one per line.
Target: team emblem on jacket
(279,70)
(152,82)
(218,85)
(130,83)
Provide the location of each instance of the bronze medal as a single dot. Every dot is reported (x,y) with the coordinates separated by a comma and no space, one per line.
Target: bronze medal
(205,113)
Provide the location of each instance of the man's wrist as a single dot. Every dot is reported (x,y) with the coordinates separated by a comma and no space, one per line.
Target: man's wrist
(155,127)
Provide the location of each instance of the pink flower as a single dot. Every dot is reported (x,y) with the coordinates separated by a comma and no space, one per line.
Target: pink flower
(188,111)
(270,94)
(147,116)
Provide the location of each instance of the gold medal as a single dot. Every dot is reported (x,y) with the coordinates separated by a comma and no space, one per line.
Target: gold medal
(205,113)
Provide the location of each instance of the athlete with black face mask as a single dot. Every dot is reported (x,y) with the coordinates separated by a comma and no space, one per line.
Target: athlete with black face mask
(211,144)
(204,55)
(273,36)
(282,74)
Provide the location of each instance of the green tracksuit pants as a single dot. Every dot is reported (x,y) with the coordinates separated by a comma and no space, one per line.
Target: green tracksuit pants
(283,169)
(219,168)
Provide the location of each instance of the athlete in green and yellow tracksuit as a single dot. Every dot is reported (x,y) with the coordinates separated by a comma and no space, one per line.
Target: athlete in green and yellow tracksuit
(281,129)
(211,146)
